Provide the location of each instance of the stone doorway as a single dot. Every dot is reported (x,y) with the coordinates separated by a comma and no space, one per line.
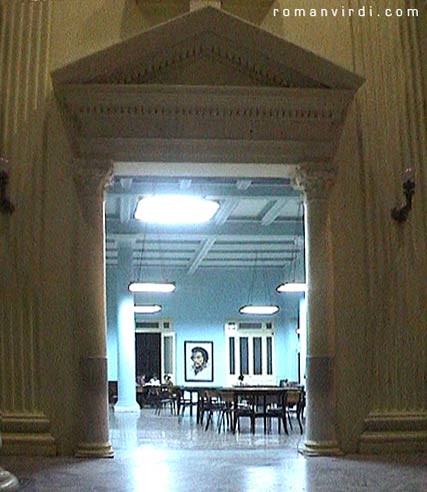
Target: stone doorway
(249,100)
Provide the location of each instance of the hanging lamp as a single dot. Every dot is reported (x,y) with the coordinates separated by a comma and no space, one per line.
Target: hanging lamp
(293,285)
(257,309)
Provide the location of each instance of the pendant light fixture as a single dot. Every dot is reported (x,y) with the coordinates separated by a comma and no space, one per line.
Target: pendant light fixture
(259,309)
(292,285)
(265,309)
(158,286)
(147,308)
(161,287)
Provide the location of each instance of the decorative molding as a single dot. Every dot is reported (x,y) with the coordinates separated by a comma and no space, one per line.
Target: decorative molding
(394,432)
(91,178)
(94,450)
(27,434)
(258,70)
(253,88)
(292,124)
(215,33)
(315,181)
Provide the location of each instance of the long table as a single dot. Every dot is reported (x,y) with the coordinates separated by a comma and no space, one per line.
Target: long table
(261,395)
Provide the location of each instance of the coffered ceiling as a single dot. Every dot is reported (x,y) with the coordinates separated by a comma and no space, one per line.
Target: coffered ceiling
(259,222)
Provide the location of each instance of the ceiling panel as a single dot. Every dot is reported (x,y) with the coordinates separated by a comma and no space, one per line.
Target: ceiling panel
(259,222)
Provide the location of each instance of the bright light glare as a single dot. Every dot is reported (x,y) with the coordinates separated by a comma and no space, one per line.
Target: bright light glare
(251,309)
(151,287)
(148,309)
(291,287)
(175,209)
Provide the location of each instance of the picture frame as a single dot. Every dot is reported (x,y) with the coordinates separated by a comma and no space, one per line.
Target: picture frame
(198,361)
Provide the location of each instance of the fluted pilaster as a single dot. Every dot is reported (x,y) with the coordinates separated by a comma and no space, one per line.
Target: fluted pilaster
(24,84)
(393,94)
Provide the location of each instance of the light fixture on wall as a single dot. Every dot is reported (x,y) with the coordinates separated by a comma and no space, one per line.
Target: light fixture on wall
(147,308)
(257,309)
(292,285)
(175,209)
(400,214)
(6,206)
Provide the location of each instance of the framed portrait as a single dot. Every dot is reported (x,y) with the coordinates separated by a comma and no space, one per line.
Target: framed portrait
(198,358)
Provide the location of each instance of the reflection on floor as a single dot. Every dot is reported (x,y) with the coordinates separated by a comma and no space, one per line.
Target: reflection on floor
(163,453)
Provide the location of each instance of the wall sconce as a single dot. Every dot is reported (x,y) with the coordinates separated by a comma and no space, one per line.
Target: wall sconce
(401,214)
(6,206)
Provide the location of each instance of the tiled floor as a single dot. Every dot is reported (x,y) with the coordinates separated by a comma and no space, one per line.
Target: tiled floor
(167,454)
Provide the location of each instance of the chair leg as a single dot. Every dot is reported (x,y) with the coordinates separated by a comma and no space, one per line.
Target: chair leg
(299,422)
(285,426)
(289,419)
(209,419)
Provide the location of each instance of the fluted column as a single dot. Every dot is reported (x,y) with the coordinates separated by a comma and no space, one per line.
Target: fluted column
(91,177)
(125,332)
(320,435)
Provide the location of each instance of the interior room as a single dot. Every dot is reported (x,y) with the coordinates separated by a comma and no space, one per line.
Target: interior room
(304,128)
(253,244)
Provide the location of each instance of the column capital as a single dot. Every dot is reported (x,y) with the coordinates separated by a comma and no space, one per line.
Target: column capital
(91,178)
(315,181)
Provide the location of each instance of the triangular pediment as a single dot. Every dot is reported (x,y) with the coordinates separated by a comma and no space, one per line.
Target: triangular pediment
(207,47)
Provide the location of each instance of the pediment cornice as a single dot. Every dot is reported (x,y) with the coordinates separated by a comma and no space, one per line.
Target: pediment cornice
(250,54)
(253,98)
(207,59)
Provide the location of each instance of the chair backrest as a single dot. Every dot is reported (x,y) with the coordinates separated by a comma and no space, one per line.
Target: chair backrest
(293,397)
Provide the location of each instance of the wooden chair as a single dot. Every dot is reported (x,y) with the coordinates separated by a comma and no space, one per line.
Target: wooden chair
(212,404)
(162,397)
(276,408)
(295,406)
(245,408)
(226,415)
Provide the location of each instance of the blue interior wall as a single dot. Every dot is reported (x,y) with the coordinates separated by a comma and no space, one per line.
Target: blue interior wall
(204,302)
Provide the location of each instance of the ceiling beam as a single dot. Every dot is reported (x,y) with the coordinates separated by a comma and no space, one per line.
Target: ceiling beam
(200,255)
(127,207)
(271,215)
(214,191)
(225,210)
(235,229)
(243,184)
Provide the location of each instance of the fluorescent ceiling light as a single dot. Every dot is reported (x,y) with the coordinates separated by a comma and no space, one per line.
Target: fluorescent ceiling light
(260,309)
(148,308)
(291,287)
(165,287)
(175,209)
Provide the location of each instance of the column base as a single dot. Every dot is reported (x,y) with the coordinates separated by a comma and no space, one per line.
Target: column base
(393,432)
(27,434)
(133,408)
(8,482)
(94,450)
(320,448)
